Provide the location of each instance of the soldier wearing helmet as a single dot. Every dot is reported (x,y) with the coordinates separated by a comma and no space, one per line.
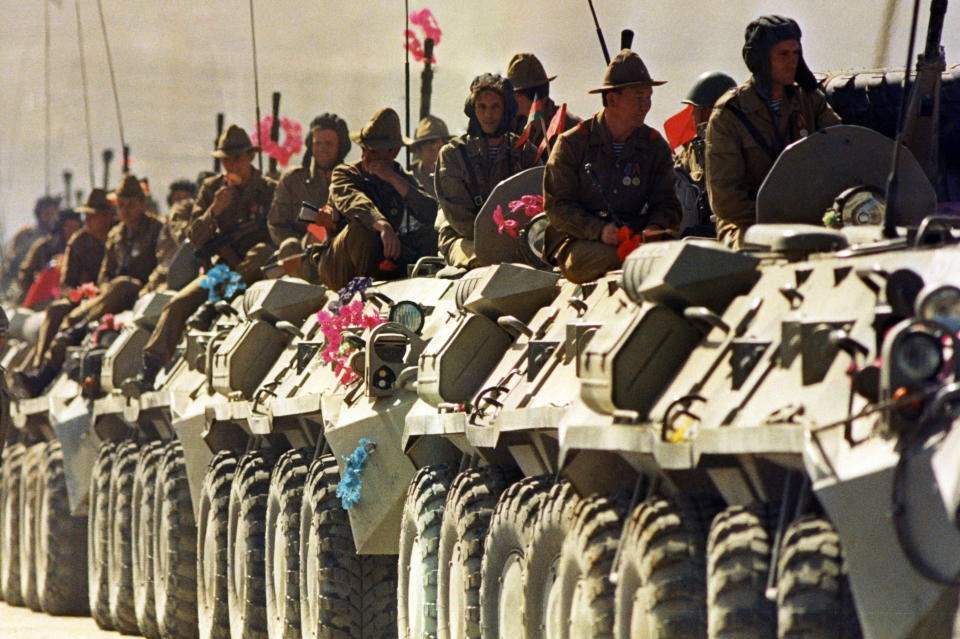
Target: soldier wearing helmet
(327,144)
(609,173)
(471,165)
(690,159)
(780,104)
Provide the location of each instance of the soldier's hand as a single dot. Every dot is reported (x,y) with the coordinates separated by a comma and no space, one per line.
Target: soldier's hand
(222,199)
(608,235)
(391,243)
(385,171)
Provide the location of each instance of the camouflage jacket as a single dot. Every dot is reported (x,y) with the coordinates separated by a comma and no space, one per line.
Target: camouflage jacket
(358,195)
(462,189)
(640,179)
(250,205)
(131,251)
(737,162)
(296,185)
(81,262)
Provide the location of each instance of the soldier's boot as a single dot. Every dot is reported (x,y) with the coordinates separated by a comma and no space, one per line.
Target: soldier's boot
(134,387)
(32,383)
(203,317)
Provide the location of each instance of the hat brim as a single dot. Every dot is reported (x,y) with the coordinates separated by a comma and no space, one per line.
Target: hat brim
(641,83)
(528,85)
(89,209)
(429,138)
(223,154)
(377,144)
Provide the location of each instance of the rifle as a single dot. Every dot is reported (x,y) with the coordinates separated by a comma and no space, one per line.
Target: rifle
(426,79)
(107,159)
(216,140)
(275,129)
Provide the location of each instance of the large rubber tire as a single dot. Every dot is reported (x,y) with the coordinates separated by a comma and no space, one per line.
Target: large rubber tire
(541,562)
(738,566)
(120,554)
(813,593)
(342,594)
(175,548)
(501,571)
(470,505)
(419,547)
(661,588)
(282,561)
(62,539)
(586,593)
(10,534)
(98,522)
(212,611)
(29,509)
(246,537)
(141,540)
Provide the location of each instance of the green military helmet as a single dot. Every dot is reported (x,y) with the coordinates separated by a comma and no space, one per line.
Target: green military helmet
(708,88)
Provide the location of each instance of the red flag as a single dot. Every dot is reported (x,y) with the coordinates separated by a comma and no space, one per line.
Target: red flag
(680,128)
(46,285)
(536,113)
(557,124)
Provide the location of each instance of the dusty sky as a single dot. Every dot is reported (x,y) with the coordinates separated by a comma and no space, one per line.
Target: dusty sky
(178,63)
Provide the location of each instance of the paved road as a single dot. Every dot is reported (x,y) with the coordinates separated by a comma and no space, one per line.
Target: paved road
(22,623)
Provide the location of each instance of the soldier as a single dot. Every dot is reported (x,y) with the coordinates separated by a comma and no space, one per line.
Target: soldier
(471,165)
(180,200)
(81,264)
(45,211)
(751,125)
(44,249)
(130,255)
(530,83)
(371,203)
(328,143)
(690,160)
(431,135)
(229,220)
(633,171)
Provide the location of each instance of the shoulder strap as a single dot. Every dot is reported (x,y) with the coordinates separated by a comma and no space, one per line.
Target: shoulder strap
(474,185)
(752,130)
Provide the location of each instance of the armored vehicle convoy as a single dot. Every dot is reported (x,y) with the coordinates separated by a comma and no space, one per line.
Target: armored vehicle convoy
(709,443)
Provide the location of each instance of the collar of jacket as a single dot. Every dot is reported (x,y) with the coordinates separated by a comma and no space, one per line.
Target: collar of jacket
(751,101)
(600,135)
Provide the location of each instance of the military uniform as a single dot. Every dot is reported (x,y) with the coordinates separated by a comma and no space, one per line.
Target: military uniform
(38,258)
(245,254)
(738,163)
(538,127)
(16,251)
(81,264)
(296,185)
(465,177)
(172,236)
(424,178)
(639,185)
(361,200)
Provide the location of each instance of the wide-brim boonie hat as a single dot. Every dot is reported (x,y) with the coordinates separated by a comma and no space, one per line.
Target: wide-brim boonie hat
(526,72)
(431,128)
(233,141)
(97,202)
(381,132)
(626,70)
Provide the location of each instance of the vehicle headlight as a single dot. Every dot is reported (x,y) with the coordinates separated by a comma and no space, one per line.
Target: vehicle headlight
(940,305)
(918,356)
(408,314)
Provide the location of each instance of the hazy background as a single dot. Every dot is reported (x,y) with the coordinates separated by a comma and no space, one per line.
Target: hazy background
(179,63)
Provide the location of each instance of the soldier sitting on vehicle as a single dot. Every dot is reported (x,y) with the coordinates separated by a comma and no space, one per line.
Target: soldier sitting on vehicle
(43,250)
(611,171)
(81,264)
(180,198)
(780,104)
(45,211)
(690,160)
(531,84)
(228,222)
(471,165)
(371,203)
(431,135)
(130,255)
